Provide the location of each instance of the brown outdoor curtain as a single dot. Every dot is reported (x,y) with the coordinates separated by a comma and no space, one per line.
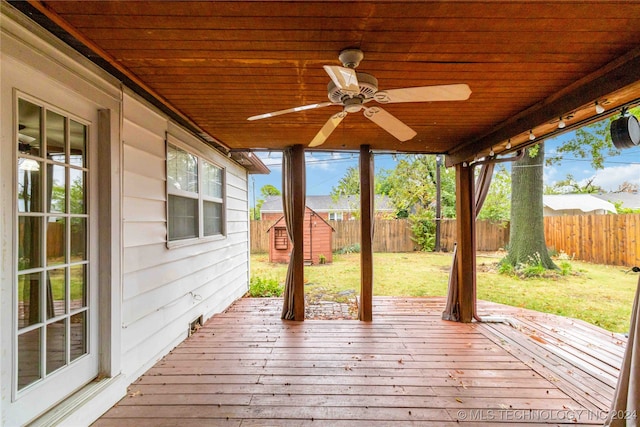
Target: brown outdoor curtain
(625,408)
(452,309)
(287,206)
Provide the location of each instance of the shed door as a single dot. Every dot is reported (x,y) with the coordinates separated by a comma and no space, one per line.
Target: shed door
(55,315)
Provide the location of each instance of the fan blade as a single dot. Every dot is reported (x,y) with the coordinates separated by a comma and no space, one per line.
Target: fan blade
(326,130)
(457,92)
(389,123)
(344,78)
(291,110)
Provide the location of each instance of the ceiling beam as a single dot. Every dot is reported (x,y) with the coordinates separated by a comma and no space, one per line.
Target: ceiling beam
(614,76)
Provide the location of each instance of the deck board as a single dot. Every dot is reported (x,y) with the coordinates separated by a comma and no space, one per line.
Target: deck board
(246,367)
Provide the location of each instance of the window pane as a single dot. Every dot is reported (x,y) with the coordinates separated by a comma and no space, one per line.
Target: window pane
(78,335)
(78,239)
(182,170)
(28,358)
(29,234)
(56,243)
(212,217)
(78,283)
(56,345)
(29,185)
(211,180)
(77,155)
(56,188)
(29,299)
(77,192)
(56,136)
(183,218)
(29,135)
(56,293)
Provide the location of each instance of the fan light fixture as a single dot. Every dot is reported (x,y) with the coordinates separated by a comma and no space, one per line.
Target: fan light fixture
(29,165)
(351,90)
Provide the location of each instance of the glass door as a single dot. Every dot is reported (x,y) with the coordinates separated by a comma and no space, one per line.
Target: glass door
(53,313)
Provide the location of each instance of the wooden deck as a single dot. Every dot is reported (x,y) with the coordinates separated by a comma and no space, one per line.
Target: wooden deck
(246,367)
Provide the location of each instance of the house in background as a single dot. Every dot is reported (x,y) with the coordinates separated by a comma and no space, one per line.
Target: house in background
(318,240)
(121,226)
(626,200)
(345,208)
(575,204)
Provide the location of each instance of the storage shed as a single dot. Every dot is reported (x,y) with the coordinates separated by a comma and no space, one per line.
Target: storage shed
(318,240)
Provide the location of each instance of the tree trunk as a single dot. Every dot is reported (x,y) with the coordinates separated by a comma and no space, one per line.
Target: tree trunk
(526,242)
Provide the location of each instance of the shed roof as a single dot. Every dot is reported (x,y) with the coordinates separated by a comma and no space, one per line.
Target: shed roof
(582,202)
(306,208)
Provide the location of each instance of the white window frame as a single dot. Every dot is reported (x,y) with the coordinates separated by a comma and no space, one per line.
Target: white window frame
(199,196)
(336,216)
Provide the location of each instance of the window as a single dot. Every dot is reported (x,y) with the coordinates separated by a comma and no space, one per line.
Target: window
(195,196)
(335,216)
(281,239)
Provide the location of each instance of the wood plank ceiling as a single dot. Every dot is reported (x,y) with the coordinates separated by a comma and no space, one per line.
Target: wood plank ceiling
(217,63)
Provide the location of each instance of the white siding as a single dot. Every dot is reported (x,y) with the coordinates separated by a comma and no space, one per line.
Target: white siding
(165,289)
(148,294)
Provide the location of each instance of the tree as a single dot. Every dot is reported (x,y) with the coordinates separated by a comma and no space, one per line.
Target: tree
(628,187)
(497,205)
(622,210)
(526,241)
(269,190)
(570,186)
(412,190)
(349,184)
(265,191)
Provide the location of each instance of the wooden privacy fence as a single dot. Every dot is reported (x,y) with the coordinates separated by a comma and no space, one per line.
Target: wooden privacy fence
(490,236)
(601,239)
(391,235)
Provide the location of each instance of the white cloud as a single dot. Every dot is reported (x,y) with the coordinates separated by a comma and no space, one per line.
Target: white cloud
(271,160)
(551,174)
(610,178)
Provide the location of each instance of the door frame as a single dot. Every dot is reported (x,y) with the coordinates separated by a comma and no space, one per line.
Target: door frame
(41,66)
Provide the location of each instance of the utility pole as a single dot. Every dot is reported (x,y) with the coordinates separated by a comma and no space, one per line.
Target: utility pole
(255,210)
(438,213)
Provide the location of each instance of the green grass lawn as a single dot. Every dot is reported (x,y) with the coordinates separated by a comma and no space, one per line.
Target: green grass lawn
(599,294)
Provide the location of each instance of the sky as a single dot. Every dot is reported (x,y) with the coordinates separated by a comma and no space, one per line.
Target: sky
(324,170)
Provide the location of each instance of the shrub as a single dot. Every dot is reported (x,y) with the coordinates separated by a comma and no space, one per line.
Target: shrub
(351,249)
(533,268)
(506,269)
(265,288)
(423,228)
(565,268)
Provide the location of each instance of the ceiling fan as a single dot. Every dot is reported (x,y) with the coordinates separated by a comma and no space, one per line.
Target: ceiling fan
(352,90)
